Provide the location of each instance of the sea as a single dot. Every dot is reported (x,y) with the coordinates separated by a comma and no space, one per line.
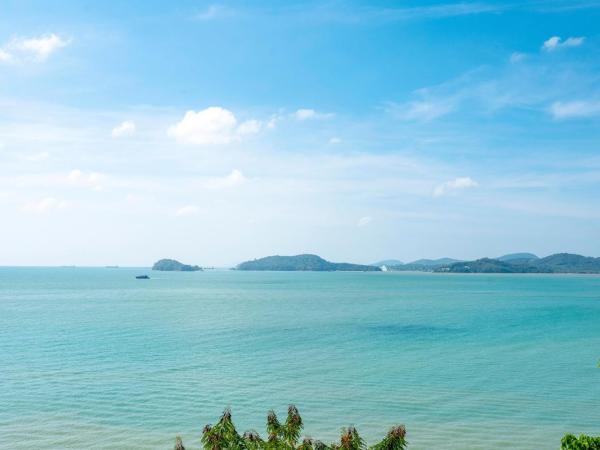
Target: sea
(93,358)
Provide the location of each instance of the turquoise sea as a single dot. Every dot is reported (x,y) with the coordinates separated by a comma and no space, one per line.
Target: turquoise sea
(95,359)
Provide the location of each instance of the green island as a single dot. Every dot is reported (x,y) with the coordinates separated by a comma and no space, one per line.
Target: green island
(512,263)
(286,436)
(171,265)
(304,262)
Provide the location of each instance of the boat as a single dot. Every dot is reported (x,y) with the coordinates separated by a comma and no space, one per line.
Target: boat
(142,277)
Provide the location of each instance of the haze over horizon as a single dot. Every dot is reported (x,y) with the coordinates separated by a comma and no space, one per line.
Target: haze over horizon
(234,264)
(218,132)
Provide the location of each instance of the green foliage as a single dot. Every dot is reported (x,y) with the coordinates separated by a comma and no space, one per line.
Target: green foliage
(394,440)
(223,435)
(253,441)
(557,263)
(302,263)
(570,442)
(351,440)
(170,265)
(178,444)
(285,436)
(293,427)
(274,427)
(307,444)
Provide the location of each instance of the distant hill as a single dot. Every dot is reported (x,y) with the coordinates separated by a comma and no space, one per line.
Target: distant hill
(557,263)
(302,263)
(568,263)
(170,265)
(387,263)
(515,256)
(433,262)
(423,265)
(483,265)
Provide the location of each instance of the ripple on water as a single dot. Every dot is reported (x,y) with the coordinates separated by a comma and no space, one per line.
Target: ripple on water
(93,359)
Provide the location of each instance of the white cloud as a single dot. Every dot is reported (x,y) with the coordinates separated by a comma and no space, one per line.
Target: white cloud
(364,221)
(92,179)
(5,56)
(423,110)
(311,114)
(126,128)
(575,109)
(517,57)
(20,49)
(214,12)
(213,125)
(188,210)
(335,140)
(454,185)
(555,43)
(272,122)
(250,127)
(47,204)
(235,178)
(75,175)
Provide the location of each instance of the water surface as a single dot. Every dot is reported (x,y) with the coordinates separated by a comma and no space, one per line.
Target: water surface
(93,358)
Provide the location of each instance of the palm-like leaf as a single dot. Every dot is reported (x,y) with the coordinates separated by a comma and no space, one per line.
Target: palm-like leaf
(274,442)
(318,445)
(222,436)
(274,427)
(395,440)
(293,426)
(211,439)
(583,442)
(307,444)
(351,440)
(252,440)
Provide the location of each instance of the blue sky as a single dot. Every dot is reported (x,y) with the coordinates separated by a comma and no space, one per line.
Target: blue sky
(217,132)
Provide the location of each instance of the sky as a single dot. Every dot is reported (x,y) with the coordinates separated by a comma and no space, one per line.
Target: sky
(216,132)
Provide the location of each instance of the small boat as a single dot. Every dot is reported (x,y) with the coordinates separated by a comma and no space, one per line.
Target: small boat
(142,277)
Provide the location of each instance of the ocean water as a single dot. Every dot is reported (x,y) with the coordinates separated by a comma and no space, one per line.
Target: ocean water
(95,359)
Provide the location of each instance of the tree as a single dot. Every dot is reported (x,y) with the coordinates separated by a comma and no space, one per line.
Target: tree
(285,436)
(253,441)
(583,442)
(394,440)
(293,427)
(351,440)
(222,436)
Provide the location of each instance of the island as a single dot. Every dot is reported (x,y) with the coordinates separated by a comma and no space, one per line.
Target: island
(511,263)
(171,265)
(423,265)
(557,263)
(305,262)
